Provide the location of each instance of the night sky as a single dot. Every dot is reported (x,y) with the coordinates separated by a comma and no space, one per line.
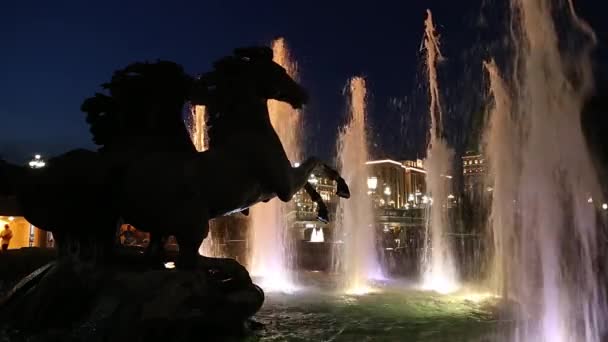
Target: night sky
(54,54)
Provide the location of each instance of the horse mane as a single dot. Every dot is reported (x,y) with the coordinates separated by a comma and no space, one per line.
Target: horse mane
(142,100)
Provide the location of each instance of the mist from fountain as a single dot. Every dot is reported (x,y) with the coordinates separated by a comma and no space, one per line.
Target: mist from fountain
(272,248)
(544,229)
(356,258)
(438,267)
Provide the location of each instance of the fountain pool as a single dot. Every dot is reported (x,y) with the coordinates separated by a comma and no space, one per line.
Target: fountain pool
(396,312)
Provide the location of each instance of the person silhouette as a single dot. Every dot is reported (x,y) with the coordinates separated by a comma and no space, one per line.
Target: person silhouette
(6,235)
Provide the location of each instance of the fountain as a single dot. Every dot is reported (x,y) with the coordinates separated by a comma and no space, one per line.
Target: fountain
(357,259)
(438,267)
(271,249)
(544,227)
(317,235)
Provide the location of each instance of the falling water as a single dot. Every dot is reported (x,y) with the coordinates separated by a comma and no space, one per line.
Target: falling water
(503,177)
(357,260)
(544,229)
(198,134)
(439,271)
(198,129)
(271,247)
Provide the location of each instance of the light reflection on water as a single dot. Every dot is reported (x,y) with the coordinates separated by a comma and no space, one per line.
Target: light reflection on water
(394,311)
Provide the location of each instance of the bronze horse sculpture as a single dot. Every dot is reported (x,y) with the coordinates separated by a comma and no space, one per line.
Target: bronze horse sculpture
(177,192)
(148,171)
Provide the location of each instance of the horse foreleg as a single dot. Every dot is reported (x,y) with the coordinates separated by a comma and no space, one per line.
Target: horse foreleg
(300,174)
(342,189)
(322,212)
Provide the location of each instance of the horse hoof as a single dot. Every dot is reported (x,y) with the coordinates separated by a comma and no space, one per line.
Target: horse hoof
(342,189)
(323,215)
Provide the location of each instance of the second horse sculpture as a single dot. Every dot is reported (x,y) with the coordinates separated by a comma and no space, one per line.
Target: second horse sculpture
(169,189)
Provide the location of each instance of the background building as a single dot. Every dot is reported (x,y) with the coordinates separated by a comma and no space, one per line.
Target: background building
(24,233)
(395,184)
(474,171)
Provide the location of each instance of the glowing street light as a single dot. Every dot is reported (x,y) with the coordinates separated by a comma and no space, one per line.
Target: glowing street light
(313,179)
(37,162)
(372,183)
(605,206)
(450,196)
(387,191)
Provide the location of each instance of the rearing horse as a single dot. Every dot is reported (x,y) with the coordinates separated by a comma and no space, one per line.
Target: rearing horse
(177,192)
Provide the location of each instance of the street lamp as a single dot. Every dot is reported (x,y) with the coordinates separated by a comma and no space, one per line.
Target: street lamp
(387,191)
(37,162)
(313,179)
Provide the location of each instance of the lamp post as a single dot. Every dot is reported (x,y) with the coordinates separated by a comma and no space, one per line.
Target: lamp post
(388,192)
(37,162)
(372,185)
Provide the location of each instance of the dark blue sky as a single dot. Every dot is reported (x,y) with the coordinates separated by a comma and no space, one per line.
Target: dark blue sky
(56,53)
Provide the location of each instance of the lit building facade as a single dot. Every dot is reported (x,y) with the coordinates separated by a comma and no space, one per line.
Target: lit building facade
(395,184)
(24,233)
(474,172)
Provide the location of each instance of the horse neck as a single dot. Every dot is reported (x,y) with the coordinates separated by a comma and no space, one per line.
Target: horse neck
(236,122)
(156,133)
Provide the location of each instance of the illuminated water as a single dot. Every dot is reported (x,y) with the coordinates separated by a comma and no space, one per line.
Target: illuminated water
(438,268)
(545,230)
(356,259)
(272,247)
(198,133)
(397,312)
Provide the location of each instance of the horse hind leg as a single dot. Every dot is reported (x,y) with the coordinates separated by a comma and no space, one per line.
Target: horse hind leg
(189,239)
(154,251)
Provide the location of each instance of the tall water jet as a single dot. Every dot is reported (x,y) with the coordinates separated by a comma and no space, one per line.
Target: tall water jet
(271,250)
(500,141)
(543,223)
(438,267)
(357,259)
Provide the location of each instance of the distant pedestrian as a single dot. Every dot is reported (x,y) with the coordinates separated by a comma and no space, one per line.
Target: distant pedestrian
(6,235)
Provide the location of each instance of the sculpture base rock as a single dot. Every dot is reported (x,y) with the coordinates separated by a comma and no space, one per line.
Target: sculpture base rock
(71,301)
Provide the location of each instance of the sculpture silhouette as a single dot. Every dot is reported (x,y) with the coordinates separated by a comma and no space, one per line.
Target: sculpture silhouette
(148,173)
(72,197)
(147,170)
(167,188)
